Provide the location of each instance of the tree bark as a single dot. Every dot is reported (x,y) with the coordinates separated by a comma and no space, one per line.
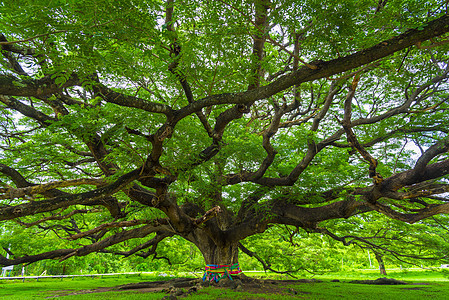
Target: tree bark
(381,263)
(217,251)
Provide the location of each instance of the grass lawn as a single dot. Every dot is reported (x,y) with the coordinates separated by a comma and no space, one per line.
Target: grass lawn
(340,290)
(46,288)
(423,285)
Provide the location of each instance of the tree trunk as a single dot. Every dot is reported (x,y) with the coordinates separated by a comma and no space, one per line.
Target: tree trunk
(219,254)
(380,261)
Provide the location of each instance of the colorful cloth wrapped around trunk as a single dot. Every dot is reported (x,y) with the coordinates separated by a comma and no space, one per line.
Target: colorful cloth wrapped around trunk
(218,272)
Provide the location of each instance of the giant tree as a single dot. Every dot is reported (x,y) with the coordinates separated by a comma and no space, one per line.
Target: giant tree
(128,122)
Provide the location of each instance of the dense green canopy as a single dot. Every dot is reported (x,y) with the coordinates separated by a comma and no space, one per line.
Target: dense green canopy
(124,123)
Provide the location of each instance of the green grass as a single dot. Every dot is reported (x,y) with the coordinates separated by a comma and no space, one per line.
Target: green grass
(338,290)
(405,274)
(214,293)
(113,295)
(344,290)
(32,289)
(435,287)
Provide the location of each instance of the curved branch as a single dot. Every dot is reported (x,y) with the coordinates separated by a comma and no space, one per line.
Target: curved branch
(13,86)
(63,254)
(433,151)
(156,222)
(153,243)
(57,217)
(352,139)
(410,177)
(266,266)
(35,207)
(117,238)
(11,193)
(130,101)
(175,50)
(351,239)
(33,258)
(26,110)
(393,133)
(15,176)
(271,152)
(411,218)
(312,150)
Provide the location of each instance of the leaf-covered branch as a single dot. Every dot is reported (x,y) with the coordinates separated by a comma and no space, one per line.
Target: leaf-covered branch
(11,193)
(34,207)
(121,224)
(58,217)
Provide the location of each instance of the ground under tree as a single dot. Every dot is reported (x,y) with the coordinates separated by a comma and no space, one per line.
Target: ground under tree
(124,124)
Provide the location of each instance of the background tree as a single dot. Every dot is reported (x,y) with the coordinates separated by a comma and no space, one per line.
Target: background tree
(125,123)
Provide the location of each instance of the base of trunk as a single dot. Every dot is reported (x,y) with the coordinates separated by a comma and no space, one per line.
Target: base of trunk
(218,272)
(221,255)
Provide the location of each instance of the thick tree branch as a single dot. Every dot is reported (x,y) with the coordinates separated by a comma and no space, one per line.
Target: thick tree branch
(15,176)
(26,110)
(175,51)
(410,177)
(11,193)
(130,101)
(58,217)
(352,139)
(33,258)
(309,217)
(365,242)
(433,151)
(411,218)
(13,86)
(211,213)
(35,207)
(153,243)
(117,238)
(104,226)
(64,254)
